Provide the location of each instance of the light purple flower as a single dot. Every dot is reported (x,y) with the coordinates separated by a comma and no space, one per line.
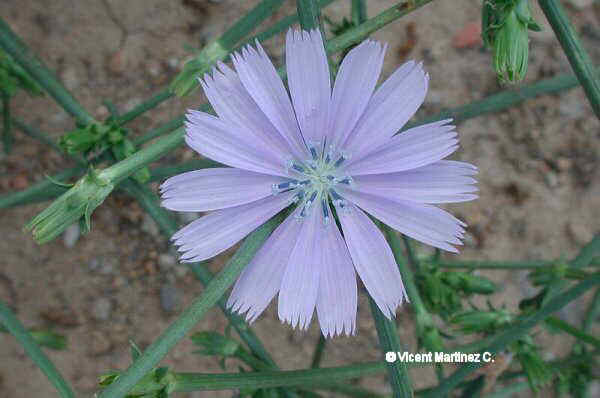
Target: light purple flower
(319,149)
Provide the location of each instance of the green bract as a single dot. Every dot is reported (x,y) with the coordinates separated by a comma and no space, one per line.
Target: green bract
(505,26)
(77,204)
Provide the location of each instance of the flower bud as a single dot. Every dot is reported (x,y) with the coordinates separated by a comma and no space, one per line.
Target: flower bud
(213,343)
(505,28)
(481,321)
(77,204)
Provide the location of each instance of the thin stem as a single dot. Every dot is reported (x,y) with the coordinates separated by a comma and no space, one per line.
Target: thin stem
(185,382)
(426,331)
(308,14)
(502,100)
(160,130)
(128,166)
(501,340)
(145,106)
(357,34)
(359,11)
(40,136)
(162,173)
(7,136)
(43,190)
(573,331)
(36,134)
(32,349)
(194,313)
(578,58)
(318,353)
(592,313)
(278,27)
(587,253)
(43,76)
(423,316)
(389,341)
(481,264)
(350,391)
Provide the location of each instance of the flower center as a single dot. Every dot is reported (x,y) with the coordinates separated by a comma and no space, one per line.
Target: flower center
(316,179)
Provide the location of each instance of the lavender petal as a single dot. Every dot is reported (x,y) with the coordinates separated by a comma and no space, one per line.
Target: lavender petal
(221,229)
(308,79)
(213,189)
(373,259)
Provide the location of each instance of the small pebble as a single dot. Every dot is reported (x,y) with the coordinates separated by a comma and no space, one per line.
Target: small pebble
(149,225)
(118,62)
(99,344)
(469,36)
(94,264)
(579,232)
(169,297)
(166,261)
(551,179)
(101,309)
(181,271)
(580,5)
(71,235)
(69,78)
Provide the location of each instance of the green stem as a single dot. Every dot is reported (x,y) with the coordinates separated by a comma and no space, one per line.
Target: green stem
(423,317)
(186,382)
(426,331)
(43,190)
(357,34)
(501,340)
(592,312)
(15,327)
(194,313)
(145,106)
(578,58)
(42,137)
(43,76)
(350,391)
(162,173)
(502,100)
(483,264)
(7,136)
(308,14)
(278,27)
(160,130)
(359,11)
(36,134)
(587,253)
(128,166)
(389,341)
(318,353)
(573,331)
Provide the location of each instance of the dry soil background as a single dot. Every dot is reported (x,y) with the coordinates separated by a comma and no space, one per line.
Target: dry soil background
(539,180)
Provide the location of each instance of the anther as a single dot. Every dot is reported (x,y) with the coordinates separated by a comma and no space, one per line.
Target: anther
(346,180)
(325,207)
(284,186)
(343,157)
(337,199)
